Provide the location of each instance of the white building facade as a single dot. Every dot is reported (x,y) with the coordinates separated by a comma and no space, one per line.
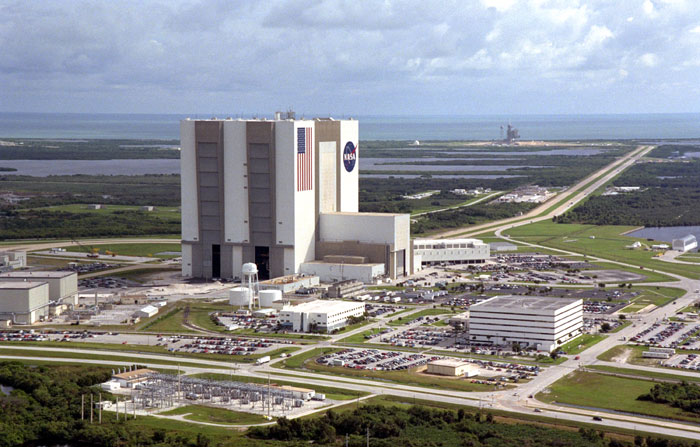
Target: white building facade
(257,190)
(685,243)
(319,315)
(434,251)
(542,323)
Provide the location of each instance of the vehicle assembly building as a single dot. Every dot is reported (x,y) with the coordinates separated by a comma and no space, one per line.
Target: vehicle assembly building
(282,194)
(538,322)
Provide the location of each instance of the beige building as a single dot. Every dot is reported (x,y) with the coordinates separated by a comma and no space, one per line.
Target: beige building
(63,286)
(24,302)
(452,367)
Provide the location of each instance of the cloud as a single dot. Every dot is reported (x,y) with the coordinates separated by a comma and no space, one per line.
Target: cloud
(342,56)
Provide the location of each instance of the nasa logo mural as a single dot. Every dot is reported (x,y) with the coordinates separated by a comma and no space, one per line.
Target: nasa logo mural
(349,156)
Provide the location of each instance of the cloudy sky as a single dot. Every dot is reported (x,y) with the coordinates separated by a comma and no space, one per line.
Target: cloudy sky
(348,57)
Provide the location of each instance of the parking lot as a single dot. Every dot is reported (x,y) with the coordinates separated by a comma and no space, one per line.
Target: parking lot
(180,343)
(668,335)
(683,361)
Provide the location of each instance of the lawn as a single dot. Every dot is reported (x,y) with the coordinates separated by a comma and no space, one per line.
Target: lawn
(86,356)
(423,313)
(607,242)
(612,393)
(649,375)
(203,413)
(359,337)
(170,321)
(147,250)
(657,296)
(581,343)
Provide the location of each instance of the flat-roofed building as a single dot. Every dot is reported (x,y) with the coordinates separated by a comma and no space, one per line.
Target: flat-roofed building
(12,259)
(24,302)
(542,323)
(128,379)
(63,286)
(452,367)
(319,315)
(434,251)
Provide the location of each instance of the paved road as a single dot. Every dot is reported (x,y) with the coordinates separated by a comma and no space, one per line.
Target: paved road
(450,208)
(34,245)
(609,172)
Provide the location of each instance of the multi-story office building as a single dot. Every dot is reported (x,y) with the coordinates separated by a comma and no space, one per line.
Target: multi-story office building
(540,322)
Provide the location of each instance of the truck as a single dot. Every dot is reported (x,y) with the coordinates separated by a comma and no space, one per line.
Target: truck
(262,360)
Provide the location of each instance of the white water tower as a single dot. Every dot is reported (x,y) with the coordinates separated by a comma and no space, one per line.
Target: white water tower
(250,281)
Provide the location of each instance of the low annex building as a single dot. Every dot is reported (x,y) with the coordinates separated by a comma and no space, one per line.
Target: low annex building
(686,243)
(319,315)
(452,367)
(542,323)
(434,251)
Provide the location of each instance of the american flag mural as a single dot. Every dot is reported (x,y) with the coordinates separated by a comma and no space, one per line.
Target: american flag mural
(304,159)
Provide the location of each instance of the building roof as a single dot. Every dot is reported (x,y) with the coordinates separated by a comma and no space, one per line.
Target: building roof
(686,239)
(350,213)
(149,309)
(20,285)
(453,363)
(135,374)
(513,302)
(448,241)
(38,275)
(323,306)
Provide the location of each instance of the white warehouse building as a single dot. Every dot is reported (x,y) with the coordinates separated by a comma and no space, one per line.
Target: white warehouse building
(320,315)
(280,193)
(542,323)
(433,251)
(686,243)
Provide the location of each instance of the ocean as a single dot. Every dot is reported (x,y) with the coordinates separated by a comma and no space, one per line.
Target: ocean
(531,127)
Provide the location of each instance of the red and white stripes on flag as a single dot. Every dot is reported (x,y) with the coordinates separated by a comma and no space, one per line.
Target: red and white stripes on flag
(305,165)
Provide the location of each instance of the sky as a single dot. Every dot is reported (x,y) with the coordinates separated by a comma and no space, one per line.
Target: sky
(345,57)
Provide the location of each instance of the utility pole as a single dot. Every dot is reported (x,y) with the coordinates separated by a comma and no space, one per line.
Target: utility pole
(82,407)
(117,408)
(91,407)
(99,409)
(367,436)
(269,397)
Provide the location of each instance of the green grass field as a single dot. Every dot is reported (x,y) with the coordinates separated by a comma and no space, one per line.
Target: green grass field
(656,296)
(85,356)
(612,393)
(147,250)
(608,243)
(581,343)
(159,211)
(216,415)
(423,313)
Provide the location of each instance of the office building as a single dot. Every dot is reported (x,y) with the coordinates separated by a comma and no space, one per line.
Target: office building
(319,315)
(541,323)
(280,193)
(12,259)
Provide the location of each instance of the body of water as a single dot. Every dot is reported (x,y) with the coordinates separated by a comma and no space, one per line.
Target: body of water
(44,168)
(539,127)
(398,164)
(666,234)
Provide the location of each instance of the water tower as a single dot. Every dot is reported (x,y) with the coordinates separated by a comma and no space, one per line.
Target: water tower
(250,281)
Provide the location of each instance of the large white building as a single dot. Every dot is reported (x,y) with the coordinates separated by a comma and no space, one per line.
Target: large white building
(279,193)
(319,315)
(435,251)
(63,286)
(542,323)
(686,243)
(24,302)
